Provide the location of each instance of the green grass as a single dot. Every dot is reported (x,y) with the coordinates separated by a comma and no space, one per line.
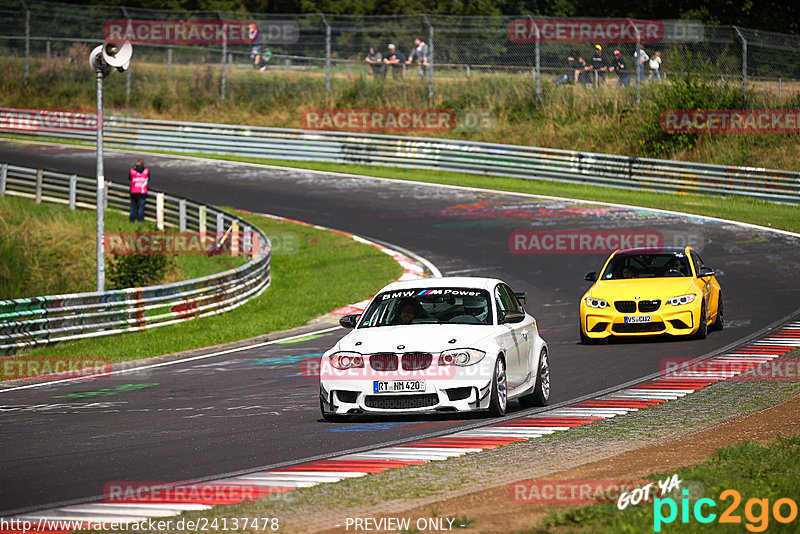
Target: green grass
(755,471)
(348,271)
(63,258)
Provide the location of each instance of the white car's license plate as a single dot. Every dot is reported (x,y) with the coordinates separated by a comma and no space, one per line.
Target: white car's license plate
(398,386)
(633,319)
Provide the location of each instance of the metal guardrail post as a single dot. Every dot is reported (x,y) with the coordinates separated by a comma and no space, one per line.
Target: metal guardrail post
(38,186)
(73,190)
(744,62)
(247,240)
(327,55)
(3,178)
(220,224)
(160,211)
(201,223)
(182,215)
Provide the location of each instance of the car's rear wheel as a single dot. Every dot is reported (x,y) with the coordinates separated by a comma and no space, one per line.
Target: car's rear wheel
(541,391)
(332,417)
(499,396)
(719,322)
(702,329)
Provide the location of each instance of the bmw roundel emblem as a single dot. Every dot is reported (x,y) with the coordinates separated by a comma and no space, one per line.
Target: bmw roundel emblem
(637,298)
(400,347)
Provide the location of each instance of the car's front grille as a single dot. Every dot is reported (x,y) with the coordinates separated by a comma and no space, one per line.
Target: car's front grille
(416,361)
(383,361)
(649,305)
(637,328)
(625,306)
(401,402)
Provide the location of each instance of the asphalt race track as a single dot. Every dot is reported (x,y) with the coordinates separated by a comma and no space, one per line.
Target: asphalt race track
(253,408)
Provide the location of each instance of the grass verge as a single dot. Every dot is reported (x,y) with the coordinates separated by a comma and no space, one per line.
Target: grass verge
(319,259)
(63,260)
(760,475)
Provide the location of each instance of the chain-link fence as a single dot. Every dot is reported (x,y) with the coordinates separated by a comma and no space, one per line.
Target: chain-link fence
(521,58)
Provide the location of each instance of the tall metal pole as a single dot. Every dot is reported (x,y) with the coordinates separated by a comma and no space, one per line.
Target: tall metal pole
(639,67)
(224,56)
(327,55)
(101,263)
(744,62)
(538,60)
(430,58)
(128,71)
(27,41)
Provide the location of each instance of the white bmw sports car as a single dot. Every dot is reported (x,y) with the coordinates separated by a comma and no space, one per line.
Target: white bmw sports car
(436,345)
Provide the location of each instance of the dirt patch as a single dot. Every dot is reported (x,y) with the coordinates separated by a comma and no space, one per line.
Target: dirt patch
(493,511)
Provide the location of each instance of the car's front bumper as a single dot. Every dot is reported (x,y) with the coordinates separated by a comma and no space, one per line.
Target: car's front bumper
(671,320)
(350,397)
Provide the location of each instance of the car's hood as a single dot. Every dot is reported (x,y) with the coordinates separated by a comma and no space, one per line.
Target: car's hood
(643,288)
(415,338)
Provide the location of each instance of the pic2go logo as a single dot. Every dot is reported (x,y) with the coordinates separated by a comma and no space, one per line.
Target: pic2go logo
(756,511)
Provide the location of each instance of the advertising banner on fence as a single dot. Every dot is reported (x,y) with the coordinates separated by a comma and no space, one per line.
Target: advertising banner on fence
(730,121)
(46,120)
(198,31)
(585,30)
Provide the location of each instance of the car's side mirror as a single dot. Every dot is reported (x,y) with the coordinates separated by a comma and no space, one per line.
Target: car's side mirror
(591,277)
(512,316)
(522,296)
(350,321)
(705,271)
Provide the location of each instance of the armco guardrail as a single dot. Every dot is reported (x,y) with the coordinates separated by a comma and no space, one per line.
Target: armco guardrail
(424,153)
(36,321)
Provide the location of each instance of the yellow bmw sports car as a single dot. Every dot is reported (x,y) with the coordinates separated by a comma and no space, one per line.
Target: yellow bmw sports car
(644,292)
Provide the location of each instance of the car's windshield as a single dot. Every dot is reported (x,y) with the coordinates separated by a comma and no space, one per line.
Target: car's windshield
(429,306)
(626,266)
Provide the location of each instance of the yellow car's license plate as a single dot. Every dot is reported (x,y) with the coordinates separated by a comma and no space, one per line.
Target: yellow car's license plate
(634,319)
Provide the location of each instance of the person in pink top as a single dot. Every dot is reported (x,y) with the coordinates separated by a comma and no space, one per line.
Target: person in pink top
(139,177)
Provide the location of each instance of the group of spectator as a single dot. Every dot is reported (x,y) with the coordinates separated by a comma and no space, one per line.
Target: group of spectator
(378,63)
(582,72)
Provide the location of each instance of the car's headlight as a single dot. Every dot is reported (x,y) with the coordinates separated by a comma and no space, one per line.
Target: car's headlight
(461,357)
(596,303)
(681,300)
(346,360)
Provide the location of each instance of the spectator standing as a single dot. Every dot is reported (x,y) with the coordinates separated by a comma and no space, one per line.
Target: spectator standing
(569,72)
(618,66)
(139,177)
(394,59)
(420,54)
(655,67)
(599,64)
(641,58)
(374,61)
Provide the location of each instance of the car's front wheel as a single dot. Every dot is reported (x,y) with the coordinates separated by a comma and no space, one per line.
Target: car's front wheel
(585,340)
(719,322)
(499,395)
(702,329)
(541,392)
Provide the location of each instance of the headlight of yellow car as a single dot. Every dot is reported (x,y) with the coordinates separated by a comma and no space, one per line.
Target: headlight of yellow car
(596,303)
(681,300)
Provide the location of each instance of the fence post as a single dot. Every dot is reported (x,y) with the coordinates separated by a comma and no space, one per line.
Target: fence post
(247,240)
(160,210)
(537,73)
(201,224)
(73,190)
(348,72)
(169,59)
(27,40)
(639,70)
(223,80)
(47,49)
(220,225)
(430,57)
(3,178)
(38,186)
(744,62)
(182,215)
(327,55)
(235,239)
(287,62)
(254,247)
(467,72)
